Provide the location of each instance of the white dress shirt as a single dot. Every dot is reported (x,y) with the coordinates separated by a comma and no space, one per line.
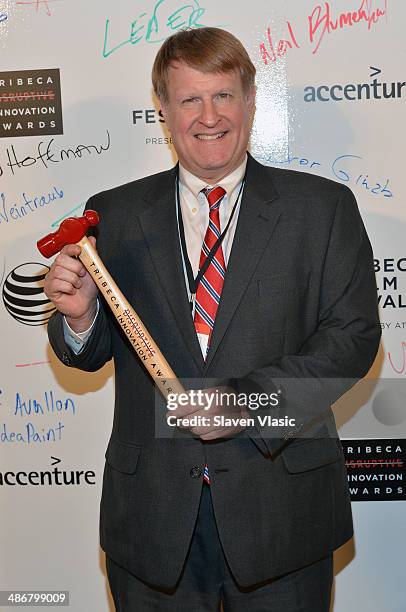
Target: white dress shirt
(195,217)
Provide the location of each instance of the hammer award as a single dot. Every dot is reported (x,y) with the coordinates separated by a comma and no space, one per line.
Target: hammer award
(73,231)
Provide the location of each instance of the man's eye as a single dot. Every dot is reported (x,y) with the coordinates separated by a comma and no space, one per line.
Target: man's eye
(189,100)
(224,95)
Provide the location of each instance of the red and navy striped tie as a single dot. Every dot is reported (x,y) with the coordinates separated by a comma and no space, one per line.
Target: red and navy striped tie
(208,292)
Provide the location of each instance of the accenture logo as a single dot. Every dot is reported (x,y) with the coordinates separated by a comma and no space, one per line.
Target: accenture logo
(23,294)
(48,478)
(375,90)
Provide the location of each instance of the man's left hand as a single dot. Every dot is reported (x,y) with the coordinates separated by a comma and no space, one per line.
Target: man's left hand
(214,411)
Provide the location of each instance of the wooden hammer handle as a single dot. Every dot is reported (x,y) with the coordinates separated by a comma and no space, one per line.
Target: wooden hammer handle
(137,334)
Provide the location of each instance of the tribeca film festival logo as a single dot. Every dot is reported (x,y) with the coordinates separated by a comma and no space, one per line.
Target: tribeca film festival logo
(375,469)
(30,103)
(149,117)
(389,271)
(374,90)
(23,294)
(48,478)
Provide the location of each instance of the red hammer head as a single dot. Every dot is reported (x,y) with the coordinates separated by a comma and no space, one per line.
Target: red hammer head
(70,231)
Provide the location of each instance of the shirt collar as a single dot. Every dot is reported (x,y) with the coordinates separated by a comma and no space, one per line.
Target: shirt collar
(195,184)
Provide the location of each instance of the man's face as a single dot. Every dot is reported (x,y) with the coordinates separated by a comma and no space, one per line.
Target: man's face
(209,117)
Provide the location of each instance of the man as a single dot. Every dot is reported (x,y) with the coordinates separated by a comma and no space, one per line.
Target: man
(286,305)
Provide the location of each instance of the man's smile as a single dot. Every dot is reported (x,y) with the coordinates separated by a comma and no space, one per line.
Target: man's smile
(210,136)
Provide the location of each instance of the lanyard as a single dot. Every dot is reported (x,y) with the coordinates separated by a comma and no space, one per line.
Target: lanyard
(194,282)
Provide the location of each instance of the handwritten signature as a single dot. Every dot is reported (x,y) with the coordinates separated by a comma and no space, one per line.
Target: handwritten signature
(342,169)
(28,205)
(32,435)
(154,27)
(49,404)
(47,155)
(321,22)
(342,173)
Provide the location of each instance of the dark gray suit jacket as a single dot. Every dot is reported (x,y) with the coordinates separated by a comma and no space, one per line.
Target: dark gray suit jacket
(299,302)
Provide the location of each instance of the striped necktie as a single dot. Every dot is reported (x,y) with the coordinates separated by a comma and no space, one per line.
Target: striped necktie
(208,292)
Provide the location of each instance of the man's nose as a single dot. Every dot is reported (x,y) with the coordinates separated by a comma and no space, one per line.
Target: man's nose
(209,114)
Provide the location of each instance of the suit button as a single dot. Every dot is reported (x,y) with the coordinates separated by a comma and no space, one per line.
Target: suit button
(195,472)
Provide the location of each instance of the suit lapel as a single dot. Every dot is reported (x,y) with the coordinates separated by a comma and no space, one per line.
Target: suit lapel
(159,224)
(256,223)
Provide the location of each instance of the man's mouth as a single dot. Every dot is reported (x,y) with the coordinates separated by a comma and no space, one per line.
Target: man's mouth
(210,136)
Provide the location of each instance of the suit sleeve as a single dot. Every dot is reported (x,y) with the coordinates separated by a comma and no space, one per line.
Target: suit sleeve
(97,349)
(342,348)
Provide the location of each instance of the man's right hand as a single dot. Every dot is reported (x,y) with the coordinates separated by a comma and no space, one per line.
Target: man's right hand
(70,287)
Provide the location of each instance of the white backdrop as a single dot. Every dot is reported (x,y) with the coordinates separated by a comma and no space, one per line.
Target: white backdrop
(104,53)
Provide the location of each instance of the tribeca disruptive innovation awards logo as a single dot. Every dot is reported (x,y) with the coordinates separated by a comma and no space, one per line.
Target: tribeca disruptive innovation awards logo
(375,469)
(30,103)
(23,294)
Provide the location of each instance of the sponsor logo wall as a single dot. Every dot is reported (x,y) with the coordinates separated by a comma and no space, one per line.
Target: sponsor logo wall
(330,101)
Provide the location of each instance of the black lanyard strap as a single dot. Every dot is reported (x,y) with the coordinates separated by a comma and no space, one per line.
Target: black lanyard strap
(194,282)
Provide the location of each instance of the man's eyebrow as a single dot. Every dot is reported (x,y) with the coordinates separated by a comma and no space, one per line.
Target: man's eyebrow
(214,93)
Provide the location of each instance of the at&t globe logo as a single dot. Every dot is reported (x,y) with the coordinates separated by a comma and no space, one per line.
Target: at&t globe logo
(23,294)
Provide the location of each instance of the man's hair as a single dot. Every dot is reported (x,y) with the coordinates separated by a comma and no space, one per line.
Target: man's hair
(209,50)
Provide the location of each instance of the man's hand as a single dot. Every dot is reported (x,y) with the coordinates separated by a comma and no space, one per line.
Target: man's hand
(215,411)
(70,287)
